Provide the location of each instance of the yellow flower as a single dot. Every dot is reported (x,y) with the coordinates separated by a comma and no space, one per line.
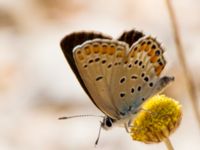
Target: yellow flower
(159,117)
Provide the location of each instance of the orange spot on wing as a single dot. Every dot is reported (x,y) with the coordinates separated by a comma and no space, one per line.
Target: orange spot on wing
(111,50)
(104,49)
(154,59)
(146,49)
(151,53)
(143,47)
(87,50)
(96,49)
(120,54)
(158,70)
(133,54)
(80,56)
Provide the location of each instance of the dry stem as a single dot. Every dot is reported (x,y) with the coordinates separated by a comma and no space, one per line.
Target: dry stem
(168,144)
(189,83)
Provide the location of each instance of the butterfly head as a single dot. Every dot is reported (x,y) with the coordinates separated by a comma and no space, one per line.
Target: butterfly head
(107,123)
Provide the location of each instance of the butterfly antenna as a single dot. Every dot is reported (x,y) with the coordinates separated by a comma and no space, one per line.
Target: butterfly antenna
(97,140)
(77,116)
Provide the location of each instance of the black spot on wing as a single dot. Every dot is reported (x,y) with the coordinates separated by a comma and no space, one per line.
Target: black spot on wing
(151,84)
(97,59)
(134,77)
(122,94)
(157,52)
(153,46)
(85,66)
(140,63)
(146,79)
(136,62)
(99,78)
(109,66)
(122,80)
(149,42)
(90,61)
(139,88)
(103,61)
(132,90)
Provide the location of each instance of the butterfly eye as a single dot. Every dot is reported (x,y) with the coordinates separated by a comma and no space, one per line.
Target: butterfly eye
(108,122)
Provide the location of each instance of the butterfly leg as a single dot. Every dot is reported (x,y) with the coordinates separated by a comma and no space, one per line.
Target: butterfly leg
(97,140)
(148,111)
(127,127)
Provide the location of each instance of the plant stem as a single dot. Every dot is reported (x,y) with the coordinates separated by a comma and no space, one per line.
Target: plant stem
(189,83)
(168,144)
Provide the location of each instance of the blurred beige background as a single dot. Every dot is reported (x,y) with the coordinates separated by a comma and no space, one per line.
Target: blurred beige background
(37,86)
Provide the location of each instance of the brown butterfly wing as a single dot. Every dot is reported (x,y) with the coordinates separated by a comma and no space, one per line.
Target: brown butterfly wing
(130,37)
(72,40)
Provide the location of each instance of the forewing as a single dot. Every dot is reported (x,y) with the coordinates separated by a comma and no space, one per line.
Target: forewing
(97,61)
(72,40)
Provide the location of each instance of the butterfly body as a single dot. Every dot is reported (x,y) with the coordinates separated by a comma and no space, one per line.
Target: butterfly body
(118,75)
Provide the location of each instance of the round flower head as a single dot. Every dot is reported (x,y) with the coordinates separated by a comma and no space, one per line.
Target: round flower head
(159,117)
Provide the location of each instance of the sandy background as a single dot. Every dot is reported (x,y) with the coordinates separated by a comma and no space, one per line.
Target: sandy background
(37,86)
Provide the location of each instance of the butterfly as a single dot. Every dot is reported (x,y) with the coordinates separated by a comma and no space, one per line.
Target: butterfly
(118,75)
